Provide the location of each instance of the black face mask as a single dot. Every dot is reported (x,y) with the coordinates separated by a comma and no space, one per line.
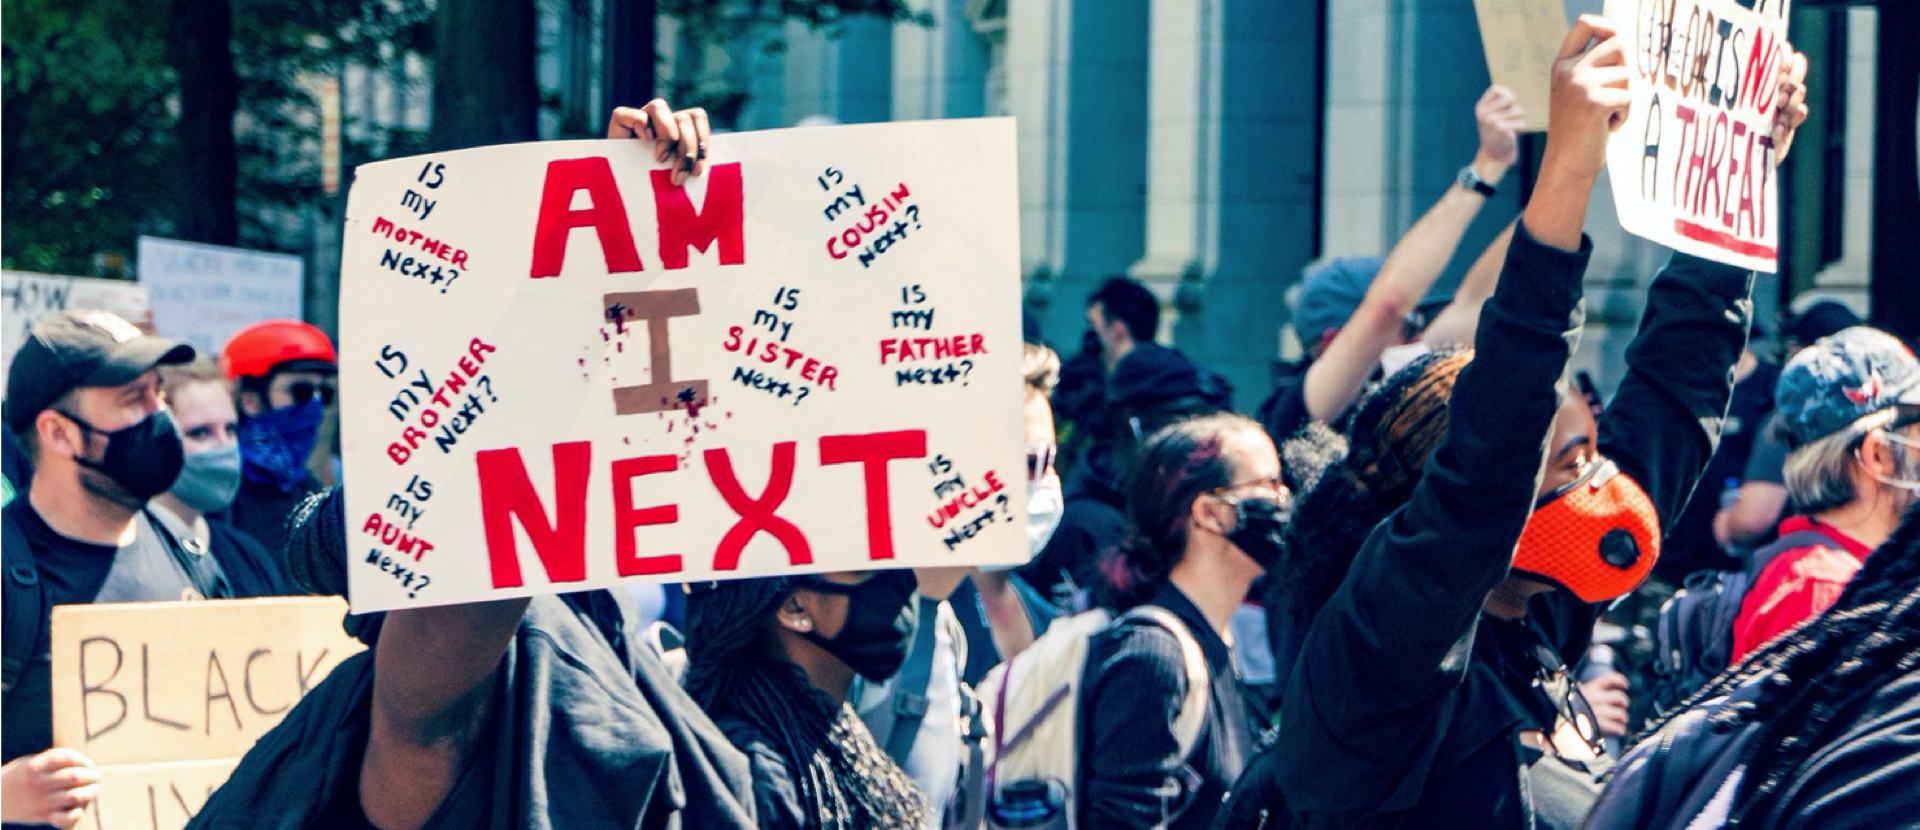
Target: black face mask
(144,459)
(878,630)
(1263,522)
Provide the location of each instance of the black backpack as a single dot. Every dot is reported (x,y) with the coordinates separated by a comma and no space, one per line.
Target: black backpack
(1693,634)
(23,607)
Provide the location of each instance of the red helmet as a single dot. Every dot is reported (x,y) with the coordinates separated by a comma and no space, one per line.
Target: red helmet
(262,347)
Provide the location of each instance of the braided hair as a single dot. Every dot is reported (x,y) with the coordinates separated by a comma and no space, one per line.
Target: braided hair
(1822,668)
(316,534)
(1176,465)
(736,668)
(1367,476)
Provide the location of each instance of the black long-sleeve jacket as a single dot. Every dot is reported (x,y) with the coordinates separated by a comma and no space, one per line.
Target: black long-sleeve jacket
(1403,708)
(1132,774)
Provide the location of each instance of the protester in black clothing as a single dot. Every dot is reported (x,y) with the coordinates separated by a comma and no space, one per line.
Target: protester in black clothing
(1691,545)
(1816,729)
(771,661)
(540,713)
(1122,314)
(1206,508)
(1079,400)
(545,714)
(84,393)
(283,372)
(1431,689)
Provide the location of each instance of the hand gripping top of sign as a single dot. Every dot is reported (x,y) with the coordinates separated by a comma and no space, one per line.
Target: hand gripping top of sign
(1717,93)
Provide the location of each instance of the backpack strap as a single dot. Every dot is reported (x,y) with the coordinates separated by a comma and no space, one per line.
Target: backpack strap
(202,569)
(910,685)
(970,806)
(23,607)
(1192,717)
(1798,539)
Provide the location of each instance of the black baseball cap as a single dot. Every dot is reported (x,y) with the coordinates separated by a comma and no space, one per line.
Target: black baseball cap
(72,349)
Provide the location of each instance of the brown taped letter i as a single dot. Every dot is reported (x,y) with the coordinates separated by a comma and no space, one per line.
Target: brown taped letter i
(654,308)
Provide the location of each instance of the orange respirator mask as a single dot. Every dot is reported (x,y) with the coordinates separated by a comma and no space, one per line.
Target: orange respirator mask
(1597,537)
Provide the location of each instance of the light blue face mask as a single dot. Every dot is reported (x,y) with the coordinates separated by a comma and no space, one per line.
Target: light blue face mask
(209,479)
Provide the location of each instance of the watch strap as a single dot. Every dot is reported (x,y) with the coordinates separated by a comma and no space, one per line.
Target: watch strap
(1470,179)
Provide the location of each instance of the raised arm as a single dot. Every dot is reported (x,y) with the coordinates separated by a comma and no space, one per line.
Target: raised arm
(1457,322)
(433,695)
(1382,656)
(433,688)
(1664,421)
(1337,376)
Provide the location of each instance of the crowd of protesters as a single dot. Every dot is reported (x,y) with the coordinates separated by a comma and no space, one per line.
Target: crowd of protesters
(1374,604)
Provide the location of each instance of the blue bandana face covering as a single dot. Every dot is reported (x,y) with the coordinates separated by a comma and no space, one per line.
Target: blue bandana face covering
(275,444)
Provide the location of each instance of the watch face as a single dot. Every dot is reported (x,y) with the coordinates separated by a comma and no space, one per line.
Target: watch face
(1472,181)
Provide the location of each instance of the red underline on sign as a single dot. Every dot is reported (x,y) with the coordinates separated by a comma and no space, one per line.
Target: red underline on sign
(1722,239)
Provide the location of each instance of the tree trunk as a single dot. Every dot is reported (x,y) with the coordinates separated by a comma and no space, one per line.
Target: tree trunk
(484,88)
(200,43)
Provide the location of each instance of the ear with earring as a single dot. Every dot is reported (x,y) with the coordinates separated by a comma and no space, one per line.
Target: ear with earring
(795,617)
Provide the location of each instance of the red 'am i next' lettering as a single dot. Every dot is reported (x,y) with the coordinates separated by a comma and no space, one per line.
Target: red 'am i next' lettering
(559,538)
(719,222)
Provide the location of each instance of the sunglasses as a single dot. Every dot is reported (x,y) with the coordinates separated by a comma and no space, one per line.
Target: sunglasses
(304,392)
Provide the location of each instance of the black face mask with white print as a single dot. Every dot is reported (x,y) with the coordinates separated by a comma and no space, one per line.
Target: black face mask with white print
(1261,528)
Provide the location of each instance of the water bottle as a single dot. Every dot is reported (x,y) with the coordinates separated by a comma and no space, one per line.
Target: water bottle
(1729,493)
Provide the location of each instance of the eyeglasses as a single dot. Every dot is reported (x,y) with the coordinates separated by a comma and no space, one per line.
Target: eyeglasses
(1040,459)
(305,391)
(1273,485)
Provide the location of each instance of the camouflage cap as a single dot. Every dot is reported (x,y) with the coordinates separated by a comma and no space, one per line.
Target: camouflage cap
(1842,378)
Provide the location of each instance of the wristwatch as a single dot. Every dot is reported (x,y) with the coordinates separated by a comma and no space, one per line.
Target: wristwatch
(1470,180)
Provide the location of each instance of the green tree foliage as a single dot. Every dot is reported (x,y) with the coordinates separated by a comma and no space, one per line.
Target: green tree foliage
(91,104)
(85,138)
(282,48)
(91,96)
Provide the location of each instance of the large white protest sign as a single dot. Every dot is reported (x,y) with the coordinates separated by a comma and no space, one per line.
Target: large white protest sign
(26,297)
(1693,166)
(560,371)
(166,696)
(204,293)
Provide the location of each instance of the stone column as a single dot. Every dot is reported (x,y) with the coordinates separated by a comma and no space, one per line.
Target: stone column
(1077,82)
(1232,147)
(846,73)
(939,72)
